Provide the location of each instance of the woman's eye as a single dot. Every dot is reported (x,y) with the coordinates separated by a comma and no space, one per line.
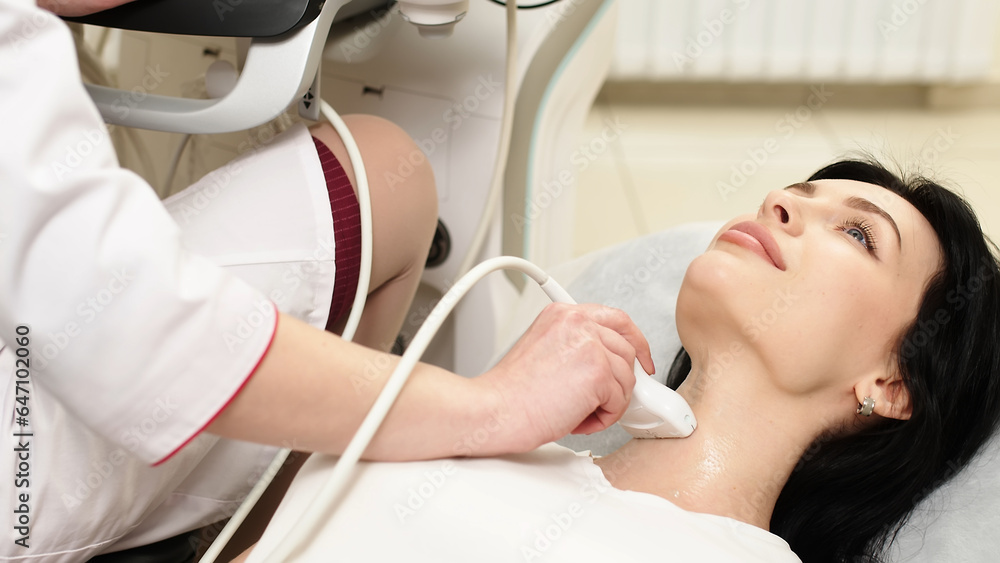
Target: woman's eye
(862,232)
(858,234)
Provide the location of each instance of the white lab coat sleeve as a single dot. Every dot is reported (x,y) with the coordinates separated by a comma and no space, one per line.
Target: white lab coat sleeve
(134,335)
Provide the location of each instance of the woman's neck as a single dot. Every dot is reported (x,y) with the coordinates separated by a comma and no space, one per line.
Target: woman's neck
(735,464)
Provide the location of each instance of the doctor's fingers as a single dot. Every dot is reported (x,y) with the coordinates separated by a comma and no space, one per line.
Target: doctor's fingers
(612,383)
(619,321)
(620,361)
(599,360)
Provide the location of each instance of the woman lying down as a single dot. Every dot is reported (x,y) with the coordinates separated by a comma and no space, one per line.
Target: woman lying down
(816,437)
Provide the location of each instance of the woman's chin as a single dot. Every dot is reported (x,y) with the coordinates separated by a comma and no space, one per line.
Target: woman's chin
(718,274)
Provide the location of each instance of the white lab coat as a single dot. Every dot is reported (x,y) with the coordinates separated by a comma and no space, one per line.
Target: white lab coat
(135,342)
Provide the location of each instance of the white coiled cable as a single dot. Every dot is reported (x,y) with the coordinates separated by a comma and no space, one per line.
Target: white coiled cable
(500,162)
(364,199)
(360,297)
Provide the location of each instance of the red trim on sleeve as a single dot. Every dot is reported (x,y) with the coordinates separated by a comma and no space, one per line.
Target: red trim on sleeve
(228,402)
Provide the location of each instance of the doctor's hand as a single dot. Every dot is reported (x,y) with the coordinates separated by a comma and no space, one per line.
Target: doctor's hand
(571,372)
(75,8)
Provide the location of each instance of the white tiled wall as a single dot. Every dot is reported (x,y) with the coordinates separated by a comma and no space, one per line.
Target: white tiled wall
(926,41)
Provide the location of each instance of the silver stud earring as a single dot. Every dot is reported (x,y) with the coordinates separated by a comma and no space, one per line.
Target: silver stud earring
(866,408)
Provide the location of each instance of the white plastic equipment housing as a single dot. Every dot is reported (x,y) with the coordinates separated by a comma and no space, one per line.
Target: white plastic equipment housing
(277,72)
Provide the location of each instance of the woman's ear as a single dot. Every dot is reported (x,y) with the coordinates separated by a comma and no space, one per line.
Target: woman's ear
(892,398)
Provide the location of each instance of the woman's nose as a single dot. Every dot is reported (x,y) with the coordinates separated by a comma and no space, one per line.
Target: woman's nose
(782,210)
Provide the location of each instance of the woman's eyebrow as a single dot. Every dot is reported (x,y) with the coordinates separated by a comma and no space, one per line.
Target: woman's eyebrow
(806,187)
(854,202)
(862,204)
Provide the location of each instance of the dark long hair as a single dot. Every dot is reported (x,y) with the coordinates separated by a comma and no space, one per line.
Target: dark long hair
(848,496)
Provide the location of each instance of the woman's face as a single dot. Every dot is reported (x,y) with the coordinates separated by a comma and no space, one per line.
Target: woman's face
(818,285)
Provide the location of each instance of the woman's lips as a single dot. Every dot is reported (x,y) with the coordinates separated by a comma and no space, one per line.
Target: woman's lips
(757,239)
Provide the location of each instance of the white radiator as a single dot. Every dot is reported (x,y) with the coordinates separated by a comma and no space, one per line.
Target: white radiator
(913,41)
